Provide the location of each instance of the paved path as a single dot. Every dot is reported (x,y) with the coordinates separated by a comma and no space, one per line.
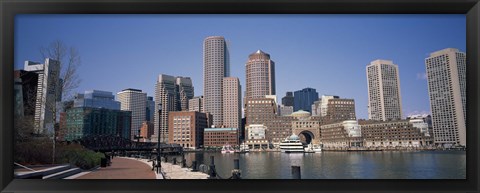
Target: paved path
(122,168)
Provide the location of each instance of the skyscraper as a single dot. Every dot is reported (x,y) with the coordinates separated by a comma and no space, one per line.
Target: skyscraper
(287,100)
(165,94)
(47,93)
(446,75)
(384,99)
(133,100)
(232,102)
(303,99)
(215,67)
(260,72)
(185,91)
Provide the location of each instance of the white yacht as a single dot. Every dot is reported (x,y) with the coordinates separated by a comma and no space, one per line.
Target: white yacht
(243,148)
(227,149)
(313,148)
(292,144)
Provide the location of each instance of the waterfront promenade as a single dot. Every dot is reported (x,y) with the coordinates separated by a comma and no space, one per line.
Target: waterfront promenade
(134,168)
(122,168)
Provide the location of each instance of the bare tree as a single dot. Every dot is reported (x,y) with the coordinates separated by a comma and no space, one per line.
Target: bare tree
(69,59)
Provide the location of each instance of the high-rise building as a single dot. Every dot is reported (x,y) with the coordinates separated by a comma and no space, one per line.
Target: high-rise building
(134,100)
(48,86)
(232,103)
(216,66)
(384,98)
(260,72)
(303,99)
(150,109)
(287,100)
(165,94)
(96,99)
(185,92)
(196,104)
(446,75)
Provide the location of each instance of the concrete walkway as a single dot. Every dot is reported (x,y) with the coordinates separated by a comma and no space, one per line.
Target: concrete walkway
(122,168)
(177,172)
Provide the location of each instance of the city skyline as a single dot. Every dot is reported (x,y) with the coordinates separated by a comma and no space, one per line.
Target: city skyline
(407,43)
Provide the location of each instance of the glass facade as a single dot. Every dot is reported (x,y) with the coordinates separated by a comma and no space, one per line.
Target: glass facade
(97,99)
(87,121)
(303,99)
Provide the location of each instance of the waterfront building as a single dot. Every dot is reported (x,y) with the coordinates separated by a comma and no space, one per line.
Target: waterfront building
(256,136)
(196,104)
(216,66)
(146,131)
(260,75)
(340,109)
(446,76)
(165,94)
(425,117)
(342,134)
(391,134)
(150,109)
(384,98)
(96,99)
(324,104)
(184,92)
(279,128)
(232,102)
(218,137)
(88,121)
(186,128)
(287,100)
(306,127)
(135,101)
(303,99)
(285,110)
(47,94)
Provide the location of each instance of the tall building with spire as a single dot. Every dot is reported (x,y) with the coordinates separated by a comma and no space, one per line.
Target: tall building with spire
(384,98)
(446,75)
(260,72)
(216,66)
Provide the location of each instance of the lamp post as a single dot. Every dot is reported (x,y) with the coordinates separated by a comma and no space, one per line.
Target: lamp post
(159,164)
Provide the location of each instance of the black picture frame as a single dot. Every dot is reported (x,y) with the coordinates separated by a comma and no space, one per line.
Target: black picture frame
(9,8)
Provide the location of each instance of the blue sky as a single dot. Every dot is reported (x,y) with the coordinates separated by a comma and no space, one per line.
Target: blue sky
(325,52)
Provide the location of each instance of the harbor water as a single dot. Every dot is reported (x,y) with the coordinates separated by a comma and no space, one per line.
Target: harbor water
(340,165)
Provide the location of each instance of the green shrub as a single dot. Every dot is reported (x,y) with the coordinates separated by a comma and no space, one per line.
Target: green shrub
(80,157)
